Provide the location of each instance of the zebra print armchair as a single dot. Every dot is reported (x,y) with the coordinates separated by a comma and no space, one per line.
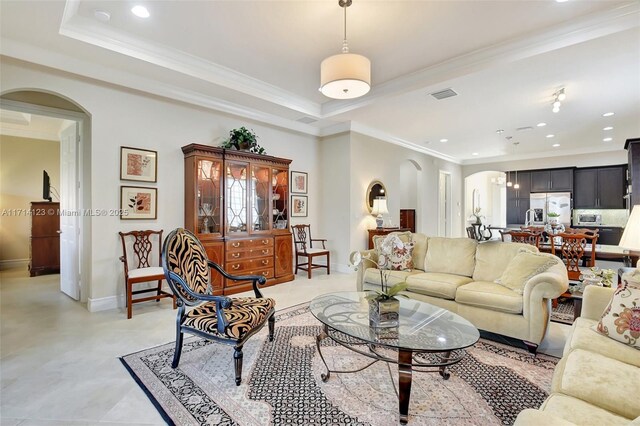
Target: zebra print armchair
(218,318)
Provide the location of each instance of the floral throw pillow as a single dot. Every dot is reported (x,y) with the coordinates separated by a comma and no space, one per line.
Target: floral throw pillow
(395,254)
(621,320)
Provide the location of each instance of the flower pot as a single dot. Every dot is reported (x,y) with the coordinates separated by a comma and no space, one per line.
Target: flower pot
(553,221)
(384,312)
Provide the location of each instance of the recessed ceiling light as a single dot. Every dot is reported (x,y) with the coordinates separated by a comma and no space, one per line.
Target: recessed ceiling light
(555,145)
(550,136)
(607,139)
(102,15)
(444,140)
(608,114)
(541,124)
(607,128)
(474,153)
(499,131)
(561,1)
(140,11)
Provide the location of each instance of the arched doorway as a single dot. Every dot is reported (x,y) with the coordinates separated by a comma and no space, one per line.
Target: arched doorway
(487,192)
(74,192)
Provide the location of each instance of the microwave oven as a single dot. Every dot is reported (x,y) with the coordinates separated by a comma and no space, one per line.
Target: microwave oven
(586,219)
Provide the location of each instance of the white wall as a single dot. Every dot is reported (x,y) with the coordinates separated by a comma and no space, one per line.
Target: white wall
(21,163)
(492,197)
(125,118)
(408,186)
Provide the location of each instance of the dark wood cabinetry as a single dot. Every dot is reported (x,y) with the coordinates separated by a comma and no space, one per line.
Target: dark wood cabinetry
(600,188)
(408,219)
(608,235)
(554,180)
(518,198)
(237,204)
(44,257)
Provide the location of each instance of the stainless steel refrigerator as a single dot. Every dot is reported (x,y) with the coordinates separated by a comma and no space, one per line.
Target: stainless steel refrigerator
(543,203)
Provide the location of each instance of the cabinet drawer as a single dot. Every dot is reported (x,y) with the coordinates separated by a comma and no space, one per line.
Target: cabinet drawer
(268,273)
(236,254)
(249,243)
(239,267)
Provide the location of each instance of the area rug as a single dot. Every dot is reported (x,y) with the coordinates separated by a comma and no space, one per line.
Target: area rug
(281,383)
(563,313)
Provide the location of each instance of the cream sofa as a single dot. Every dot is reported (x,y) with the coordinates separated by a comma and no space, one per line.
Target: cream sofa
(458,274)
(597,381)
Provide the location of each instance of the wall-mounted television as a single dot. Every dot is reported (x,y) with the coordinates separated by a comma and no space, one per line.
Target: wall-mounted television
(46,186)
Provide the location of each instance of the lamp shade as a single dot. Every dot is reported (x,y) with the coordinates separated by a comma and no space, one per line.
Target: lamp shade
(631,236)
(345,76)
(379,206)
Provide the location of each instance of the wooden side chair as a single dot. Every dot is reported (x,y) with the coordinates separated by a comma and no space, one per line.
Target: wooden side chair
(137,250)
(304,248)
(531,238)
(471,232)
(571,251)
(218,318)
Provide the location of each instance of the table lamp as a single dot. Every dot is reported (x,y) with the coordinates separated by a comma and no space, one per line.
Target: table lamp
(379,208)
(631,236)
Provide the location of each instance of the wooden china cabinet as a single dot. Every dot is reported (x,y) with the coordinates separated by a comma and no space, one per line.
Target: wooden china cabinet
(236,203)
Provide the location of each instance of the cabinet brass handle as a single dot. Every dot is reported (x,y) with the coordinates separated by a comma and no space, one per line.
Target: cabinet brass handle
(235,244)
(235,267)
(265,262)
(265,251)
(265,242)
(265,273)
(235,255)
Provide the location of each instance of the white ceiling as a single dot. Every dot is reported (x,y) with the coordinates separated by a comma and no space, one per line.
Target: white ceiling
(260,59)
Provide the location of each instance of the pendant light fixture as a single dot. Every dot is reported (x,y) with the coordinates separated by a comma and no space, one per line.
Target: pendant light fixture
(516,185)
(509,183)
(345,75)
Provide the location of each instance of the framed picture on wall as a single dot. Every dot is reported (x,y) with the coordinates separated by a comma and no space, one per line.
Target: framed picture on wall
(138,164)
(299,206)
(299,181)
(138,203)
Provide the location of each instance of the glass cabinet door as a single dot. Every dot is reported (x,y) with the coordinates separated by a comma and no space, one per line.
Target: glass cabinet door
(260,204)
(236,198)
(280,198)
(209,215)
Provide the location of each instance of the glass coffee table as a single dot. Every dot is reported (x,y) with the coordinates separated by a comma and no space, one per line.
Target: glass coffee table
(427,339)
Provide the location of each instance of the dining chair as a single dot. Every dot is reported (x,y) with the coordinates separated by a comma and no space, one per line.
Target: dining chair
(526,237)
(217,318)
(471,232)
(592,239)
(571,250)
(137,250)
(304,249)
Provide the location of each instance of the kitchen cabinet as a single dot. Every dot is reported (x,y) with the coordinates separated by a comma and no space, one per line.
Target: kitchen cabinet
(554,180)
(236,203)
(517,210)
(599,188)
(608,235)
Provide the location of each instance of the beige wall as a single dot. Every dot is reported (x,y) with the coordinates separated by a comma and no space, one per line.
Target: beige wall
(21,163)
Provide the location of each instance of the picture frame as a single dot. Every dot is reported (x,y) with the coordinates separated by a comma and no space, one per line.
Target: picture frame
(140,165)
(299,206)
(299,182)
(138,203)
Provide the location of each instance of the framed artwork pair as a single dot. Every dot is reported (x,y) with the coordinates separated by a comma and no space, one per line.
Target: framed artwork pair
(138,202)
(299,185)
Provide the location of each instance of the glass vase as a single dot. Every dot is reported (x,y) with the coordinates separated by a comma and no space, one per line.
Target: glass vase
(384,312)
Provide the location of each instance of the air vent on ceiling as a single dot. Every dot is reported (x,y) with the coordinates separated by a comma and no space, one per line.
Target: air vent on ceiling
(444,94)
(520,129)
(306,120)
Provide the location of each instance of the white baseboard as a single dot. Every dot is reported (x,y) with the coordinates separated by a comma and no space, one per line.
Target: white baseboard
(341,267)
(13,263)
(105,303)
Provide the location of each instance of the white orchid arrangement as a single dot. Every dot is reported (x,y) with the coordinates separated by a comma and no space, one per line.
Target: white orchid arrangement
(385,249)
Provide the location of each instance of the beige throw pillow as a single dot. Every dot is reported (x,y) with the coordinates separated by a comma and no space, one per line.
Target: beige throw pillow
(621,320)
(522,267)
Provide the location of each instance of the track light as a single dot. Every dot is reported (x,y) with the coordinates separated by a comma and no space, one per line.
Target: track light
(557,97)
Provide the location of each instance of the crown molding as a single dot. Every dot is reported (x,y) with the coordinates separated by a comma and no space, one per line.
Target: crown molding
(79,28)
(112,76)
(576,31)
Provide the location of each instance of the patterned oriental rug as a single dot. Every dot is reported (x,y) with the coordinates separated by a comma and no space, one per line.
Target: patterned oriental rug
(563,313)
(281,383)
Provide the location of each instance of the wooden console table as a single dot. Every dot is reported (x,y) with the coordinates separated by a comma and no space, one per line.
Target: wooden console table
(383,231)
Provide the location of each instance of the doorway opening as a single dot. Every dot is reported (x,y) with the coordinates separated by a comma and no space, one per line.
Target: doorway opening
(486,191)
(72,214)
(410,195)
(444,204)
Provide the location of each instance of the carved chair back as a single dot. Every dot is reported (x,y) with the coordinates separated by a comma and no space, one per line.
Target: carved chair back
(572,251)
(471,233)
(138,248)
(526,237)
(302,237)
(184,256)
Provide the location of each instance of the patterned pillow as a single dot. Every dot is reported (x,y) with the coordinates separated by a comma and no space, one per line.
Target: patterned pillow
(621,320)
(397,257)
(523,267)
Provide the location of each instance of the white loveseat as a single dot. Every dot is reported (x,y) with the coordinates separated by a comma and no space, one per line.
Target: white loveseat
(597,381)
(459,274)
